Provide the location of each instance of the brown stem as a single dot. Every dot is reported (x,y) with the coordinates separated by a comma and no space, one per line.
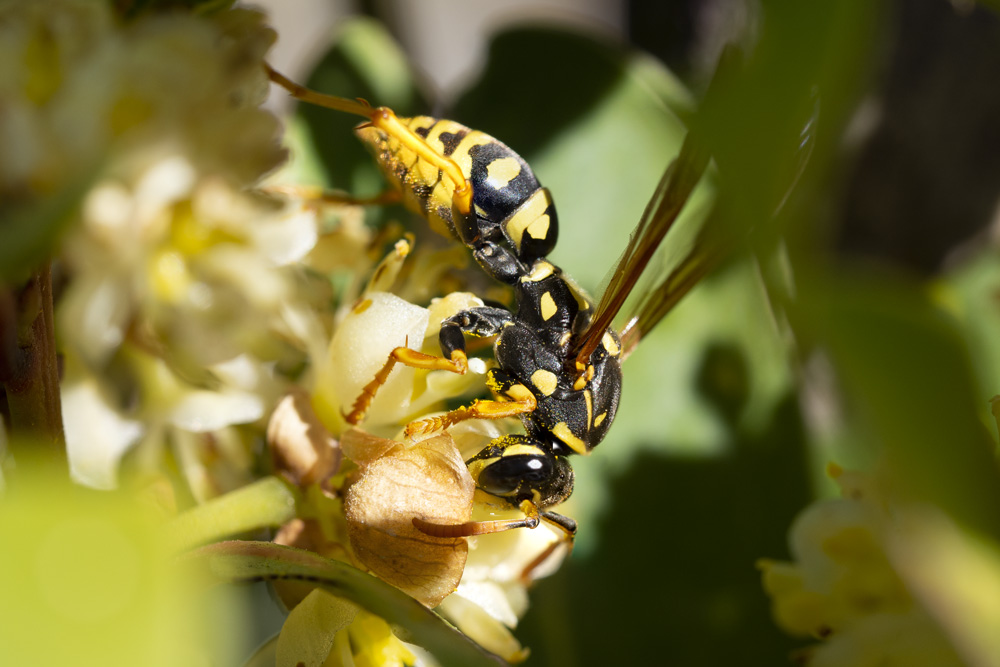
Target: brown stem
(29,367)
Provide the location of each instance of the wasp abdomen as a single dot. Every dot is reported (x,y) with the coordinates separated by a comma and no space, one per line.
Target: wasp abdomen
(508,203)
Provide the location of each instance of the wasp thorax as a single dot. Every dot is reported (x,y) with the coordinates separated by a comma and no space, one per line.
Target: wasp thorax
(519,468)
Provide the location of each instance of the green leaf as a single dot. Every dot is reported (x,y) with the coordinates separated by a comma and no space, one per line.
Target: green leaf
(907,376)
(86,580)
(412,622)
(266,654)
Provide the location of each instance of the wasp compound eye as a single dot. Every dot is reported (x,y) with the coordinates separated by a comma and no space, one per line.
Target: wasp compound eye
(505,476)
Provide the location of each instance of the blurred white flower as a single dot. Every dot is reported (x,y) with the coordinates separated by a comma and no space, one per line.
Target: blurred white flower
(843,586)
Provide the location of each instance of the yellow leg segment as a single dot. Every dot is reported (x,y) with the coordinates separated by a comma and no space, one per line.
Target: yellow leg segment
(317,195)
(385,120)
(458,363)
(565,537)
(478,410)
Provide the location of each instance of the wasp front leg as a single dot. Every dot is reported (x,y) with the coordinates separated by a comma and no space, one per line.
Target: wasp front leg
(456,363)
(480,322)
(518,401)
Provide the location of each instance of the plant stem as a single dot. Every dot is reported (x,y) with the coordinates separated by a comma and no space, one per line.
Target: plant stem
(30,368)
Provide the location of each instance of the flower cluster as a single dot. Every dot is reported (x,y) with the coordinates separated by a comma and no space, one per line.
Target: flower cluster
(202,315)
(845,588)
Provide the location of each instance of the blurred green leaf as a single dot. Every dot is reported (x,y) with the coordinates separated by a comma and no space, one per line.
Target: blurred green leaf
(414,623)
(971,293)
(30,231)
(672,577)
(907,376)
(86,579)
(266,655)
(956,575)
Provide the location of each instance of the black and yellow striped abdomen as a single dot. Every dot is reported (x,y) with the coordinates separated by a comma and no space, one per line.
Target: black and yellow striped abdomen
(507,200)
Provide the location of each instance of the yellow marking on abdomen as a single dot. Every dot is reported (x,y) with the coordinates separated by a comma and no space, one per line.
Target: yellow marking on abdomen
(529,216)
(548,306)
(462,157)
(545,381)
(502,171)
(443,126)
(561,431)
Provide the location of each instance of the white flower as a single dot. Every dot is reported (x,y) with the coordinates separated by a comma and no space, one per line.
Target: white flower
(843,586)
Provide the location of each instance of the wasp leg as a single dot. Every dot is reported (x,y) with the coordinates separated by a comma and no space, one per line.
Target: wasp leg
(316,195)
(471,528)
(458,363)
(521,401)
(480,322)
(384,119)
(568,528)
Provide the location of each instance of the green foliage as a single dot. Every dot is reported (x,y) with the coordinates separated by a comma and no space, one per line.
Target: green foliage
(252,561)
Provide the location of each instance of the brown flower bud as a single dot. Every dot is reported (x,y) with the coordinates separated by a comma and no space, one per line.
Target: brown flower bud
(396,483)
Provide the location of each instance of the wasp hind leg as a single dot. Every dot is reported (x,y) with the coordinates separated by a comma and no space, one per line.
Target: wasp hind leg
(318,196)
(384,119)
(567,534)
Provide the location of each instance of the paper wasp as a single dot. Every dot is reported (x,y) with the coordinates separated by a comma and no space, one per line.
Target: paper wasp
(558,358)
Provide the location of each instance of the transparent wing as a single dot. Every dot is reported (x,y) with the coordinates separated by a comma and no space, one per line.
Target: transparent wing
(671,194)
(712,243)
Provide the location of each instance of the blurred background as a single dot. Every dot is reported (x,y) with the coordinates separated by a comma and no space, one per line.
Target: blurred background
(774,367)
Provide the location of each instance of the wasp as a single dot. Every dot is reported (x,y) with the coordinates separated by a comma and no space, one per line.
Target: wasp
(558,357)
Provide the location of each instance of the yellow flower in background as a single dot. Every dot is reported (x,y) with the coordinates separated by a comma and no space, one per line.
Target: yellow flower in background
(844,587)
